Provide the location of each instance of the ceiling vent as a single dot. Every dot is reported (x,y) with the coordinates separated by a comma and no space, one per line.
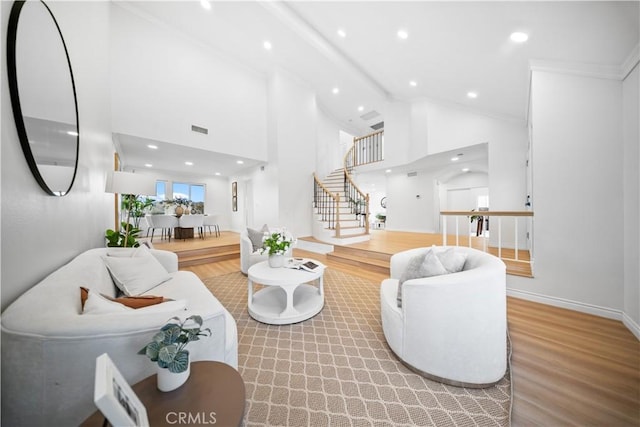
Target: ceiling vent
(199,129)
(377,126)
(412,174)
(370,115)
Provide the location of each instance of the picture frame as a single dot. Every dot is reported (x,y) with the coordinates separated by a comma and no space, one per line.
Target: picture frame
(114,397)
(234,196)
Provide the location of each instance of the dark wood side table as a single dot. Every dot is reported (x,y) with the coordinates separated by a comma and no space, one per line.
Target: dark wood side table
(214,394)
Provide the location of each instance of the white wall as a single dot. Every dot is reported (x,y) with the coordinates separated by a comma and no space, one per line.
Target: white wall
(450,128)
(41,232)
(578,198)
(436,128)
(411,202)
(296,123)
(162,83)
(631,135)
(329,152)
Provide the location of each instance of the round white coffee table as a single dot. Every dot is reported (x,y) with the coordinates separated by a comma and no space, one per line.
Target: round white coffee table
(287,297)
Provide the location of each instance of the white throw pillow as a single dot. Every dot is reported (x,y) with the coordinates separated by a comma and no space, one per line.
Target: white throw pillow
(425,264)
(256,236)
(165,307)
(452,260)
(141,250)
(136,275)
(97,304)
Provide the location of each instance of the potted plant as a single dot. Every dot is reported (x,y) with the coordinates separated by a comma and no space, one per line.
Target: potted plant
(136,206)
(125,237)
(167,348)
(381,217)
(276,244)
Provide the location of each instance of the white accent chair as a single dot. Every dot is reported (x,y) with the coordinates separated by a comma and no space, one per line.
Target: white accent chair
(249,256)
(451,328)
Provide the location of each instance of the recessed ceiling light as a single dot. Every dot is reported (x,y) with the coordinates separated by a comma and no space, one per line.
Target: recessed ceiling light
(342,33)
(361,108)
(472,95)
(519,37)
(240,162)
(335,90)
(455,159)
(388,171)
(148,165)
(267,45)
(403,34)
(217,174)
(153,147)
(205,4)
(465,170)
(188,163)
(413,83)
(72,133)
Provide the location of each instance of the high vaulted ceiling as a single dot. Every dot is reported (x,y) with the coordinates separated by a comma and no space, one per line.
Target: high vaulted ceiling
(452,47)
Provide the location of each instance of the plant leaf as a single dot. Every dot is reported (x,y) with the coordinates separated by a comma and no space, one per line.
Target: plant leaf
(151,350)
(168,353)
(180,362)
(171,333)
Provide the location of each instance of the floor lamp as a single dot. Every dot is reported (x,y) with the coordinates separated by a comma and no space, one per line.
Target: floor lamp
(130,185)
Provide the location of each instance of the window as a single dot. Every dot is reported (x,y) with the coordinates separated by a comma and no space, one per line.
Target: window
(193,192)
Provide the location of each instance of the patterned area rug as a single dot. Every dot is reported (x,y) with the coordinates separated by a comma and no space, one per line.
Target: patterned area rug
(336,368)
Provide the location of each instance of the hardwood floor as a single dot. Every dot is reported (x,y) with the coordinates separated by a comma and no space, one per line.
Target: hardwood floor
(568,368)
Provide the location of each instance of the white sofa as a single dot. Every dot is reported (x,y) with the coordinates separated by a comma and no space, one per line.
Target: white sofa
(450,328)
(49,347)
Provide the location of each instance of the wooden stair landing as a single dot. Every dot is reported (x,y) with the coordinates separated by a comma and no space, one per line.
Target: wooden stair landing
(375,254)
(202,251)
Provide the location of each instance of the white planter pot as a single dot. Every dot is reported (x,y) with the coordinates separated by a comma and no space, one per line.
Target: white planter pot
(168,381)
(276,261)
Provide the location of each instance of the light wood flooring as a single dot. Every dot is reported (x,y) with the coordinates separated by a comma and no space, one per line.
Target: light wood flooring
(568,368)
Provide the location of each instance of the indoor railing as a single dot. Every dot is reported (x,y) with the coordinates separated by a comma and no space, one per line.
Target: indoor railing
(326,205)
(358,201)
(365,149)
(503,242)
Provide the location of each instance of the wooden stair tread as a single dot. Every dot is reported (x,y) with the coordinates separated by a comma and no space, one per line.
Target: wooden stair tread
(363,260)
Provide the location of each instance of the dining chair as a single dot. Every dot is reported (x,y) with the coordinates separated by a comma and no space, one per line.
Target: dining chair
(166,223)
(212,221)
(193,221)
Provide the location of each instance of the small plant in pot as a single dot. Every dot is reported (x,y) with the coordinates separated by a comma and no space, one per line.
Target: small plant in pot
(167,348)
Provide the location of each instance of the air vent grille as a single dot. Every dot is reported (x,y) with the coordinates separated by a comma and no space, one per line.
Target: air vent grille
(377,126)
(199,129)
(370,115)
(412,174)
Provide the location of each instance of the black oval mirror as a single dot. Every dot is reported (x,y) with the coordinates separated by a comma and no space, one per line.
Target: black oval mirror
(43,96)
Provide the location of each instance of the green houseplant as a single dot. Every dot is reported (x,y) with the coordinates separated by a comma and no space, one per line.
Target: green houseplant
(125,237)
(276,244)
(167,348)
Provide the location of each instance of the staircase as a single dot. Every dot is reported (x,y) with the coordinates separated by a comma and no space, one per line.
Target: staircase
(345,226)
(341,208)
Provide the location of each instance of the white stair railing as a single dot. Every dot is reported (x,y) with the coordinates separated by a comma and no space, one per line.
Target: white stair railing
(500,245)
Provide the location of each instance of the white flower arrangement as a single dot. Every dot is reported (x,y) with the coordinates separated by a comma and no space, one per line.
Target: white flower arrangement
(275,243)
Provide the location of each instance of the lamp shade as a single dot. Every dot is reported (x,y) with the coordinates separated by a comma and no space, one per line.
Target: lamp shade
(130,183)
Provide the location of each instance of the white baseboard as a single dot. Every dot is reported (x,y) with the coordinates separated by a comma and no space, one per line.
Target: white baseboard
(631,325)
(568,304)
